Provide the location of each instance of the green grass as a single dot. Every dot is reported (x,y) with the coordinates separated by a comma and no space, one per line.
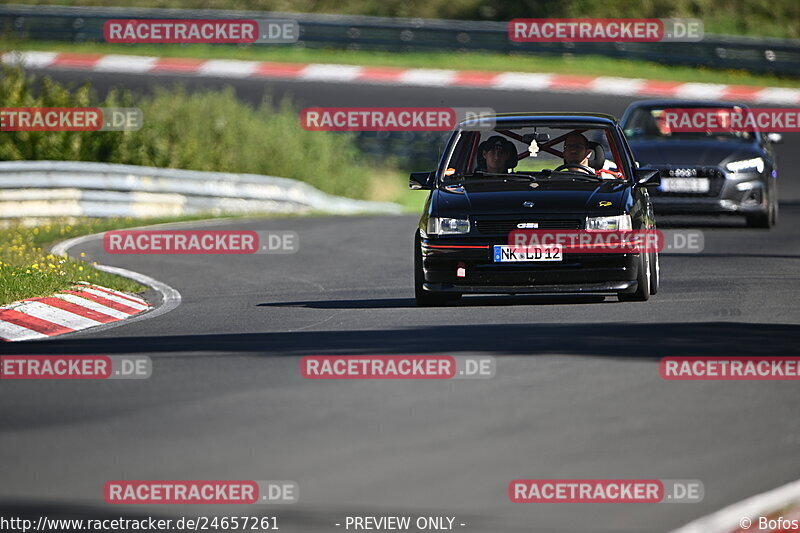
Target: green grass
(28,270)
(204,130)
(777,18)
(576,65)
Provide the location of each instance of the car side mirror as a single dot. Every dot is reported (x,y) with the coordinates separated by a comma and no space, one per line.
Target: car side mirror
(420,181)
(775,138)
(647,177)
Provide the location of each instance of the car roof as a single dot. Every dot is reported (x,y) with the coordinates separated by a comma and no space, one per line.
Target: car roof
(521,119)
(675,102)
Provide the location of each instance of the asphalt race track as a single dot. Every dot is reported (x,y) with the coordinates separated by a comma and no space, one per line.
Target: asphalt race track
(577,394)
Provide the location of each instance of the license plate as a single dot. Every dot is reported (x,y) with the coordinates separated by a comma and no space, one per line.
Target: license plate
(514,254)
(685,184)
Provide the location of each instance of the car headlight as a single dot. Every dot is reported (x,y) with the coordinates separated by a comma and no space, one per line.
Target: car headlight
(746,165)
(448,226)
(619,222)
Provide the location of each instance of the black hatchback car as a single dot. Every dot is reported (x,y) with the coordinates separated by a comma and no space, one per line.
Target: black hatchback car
(705,172)
(560,172)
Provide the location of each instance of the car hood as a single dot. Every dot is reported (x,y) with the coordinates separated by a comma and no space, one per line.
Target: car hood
(691,152)
(548,197)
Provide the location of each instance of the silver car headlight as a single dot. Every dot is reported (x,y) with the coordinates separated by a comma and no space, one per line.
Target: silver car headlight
(618,222)
(746,165)
(448,226)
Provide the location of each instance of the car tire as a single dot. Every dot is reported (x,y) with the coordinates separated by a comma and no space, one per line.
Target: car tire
(643,276)
(426,298)
(774,213)
(767,219)
(655,273)
(759,220)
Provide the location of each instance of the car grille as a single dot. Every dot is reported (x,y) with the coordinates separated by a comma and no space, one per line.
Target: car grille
(716,179)
(504,227)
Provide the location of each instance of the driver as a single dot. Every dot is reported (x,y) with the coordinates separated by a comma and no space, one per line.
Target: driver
(576,157)
(576,152)
(497,155)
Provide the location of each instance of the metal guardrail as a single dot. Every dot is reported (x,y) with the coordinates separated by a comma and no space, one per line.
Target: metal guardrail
(32,189)
(779,56)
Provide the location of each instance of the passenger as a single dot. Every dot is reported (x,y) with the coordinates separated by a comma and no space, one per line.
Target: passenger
(496,155)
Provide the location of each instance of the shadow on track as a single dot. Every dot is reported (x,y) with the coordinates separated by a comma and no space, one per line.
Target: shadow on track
(615,339)
(468,301)
(700,221)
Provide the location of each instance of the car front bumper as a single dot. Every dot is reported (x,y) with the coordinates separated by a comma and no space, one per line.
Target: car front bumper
(743,194)
(609,273)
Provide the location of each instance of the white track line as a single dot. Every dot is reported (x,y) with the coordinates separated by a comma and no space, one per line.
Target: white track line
(13,332)
(427,77)
(122,63)
(322,72)
(727,520)
(520,80)
(170,298)
(30,59)
(112,291)
(611,85)
(779,95)
(228,68)
(117,299)
(91,304)
(55,315)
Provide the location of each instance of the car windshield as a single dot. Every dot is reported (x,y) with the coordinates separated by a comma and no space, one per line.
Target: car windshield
(533,153)
(652,123)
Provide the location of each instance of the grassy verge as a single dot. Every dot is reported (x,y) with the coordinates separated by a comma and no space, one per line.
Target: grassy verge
(28,270)
(779,18)
(577,65)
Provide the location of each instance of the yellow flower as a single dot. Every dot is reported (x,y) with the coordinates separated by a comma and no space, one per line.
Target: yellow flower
(83,254)
(80,268)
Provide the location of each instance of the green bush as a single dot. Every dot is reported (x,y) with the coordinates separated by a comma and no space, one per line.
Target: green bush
(776,18)
(214,131)
(208,131)
(19,90)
